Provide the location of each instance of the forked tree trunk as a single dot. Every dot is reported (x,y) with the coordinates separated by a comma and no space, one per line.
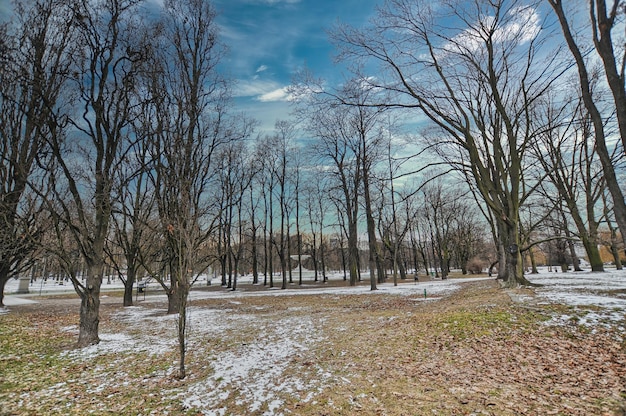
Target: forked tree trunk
(514,269)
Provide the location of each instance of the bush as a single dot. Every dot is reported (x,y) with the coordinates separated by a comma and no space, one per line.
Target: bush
(476,265)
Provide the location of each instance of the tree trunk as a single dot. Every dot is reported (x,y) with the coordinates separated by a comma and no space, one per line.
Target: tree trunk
(323,259)
(90,308)
(616,258)
(514,271)
(401,267)
(572,251)
(183,293)
(4,278)
(533,263)
(173,298)
(131,273)
(255,259)
(353,254)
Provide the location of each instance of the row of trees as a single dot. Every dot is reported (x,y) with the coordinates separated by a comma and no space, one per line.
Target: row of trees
(120,148)
(518,107)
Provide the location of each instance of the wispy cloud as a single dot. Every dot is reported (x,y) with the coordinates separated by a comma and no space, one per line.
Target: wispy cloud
(262,68)
(254,87)
(523,27)
(279,94)
(262,90)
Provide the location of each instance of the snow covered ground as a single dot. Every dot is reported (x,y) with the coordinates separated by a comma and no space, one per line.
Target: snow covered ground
(596,298)
(256,375)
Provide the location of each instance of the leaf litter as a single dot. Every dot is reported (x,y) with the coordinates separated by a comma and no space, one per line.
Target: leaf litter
(469,350)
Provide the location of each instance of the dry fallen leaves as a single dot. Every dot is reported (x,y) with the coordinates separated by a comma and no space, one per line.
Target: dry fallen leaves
(474,352)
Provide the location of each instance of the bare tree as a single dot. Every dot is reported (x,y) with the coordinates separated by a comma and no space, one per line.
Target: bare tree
(569,161)
(190,98)
(602,22)
(34,63)
(88,158)
(335,147)
(474,70)
(351,142)
(133,219)
(235,178)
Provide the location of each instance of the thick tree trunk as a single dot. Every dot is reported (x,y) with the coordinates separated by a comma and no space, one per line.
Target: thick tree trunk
(593,253)
(90,308)
(128,285)
(128,292)
(514,270)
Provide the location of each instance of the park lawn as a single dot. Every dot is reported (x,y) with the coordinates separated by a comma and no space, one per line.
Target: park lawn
(468,351)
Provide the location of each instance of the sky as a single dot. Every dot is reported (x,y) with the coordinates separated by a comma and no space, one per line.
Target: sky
(271,40)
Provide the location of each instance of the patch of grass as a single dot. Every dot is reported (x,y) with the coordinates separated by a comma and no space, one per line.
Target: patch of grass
(462,325)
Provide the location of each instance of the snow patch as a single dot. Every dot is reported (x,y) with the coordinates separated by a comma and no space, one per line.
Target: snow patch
(255,375)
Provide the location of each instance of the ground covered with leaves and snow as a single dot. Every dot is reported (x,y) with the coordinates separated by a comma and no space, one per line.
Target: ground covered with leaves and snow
(455,347)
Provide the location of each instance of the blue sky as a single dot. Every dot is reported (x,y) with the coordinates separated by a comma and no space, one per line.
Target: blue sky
(270,40)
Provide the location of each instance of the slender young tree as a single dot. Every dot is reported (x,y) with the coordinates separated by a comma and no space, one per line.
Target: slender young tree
(190,127)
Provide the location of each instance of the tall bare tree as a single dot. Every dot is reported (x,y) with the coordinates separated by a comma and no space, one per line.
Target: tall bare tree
(133,219)
(475,71)
(351,141)
(191,102)
(34,61)
(604,18)
(569,160)
(335,147)
(103,81)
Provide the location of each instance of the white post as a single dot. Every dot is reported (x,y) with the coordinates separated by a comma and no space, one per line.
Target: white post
(22,287)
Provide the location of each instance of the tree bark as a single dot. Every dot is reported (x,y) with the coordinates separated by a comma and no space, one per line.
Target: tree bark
(90,306)
(619,204)
(4,278)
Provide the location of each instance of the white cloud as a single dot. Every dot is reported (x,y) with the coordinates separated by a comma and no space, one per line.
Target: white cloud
(261,68)
(524,26)
(261,90)
(279,94)
(254,87)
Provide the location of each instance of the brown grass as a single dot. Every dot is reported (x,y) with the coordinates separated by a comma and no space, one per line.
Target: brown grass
(474,352)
